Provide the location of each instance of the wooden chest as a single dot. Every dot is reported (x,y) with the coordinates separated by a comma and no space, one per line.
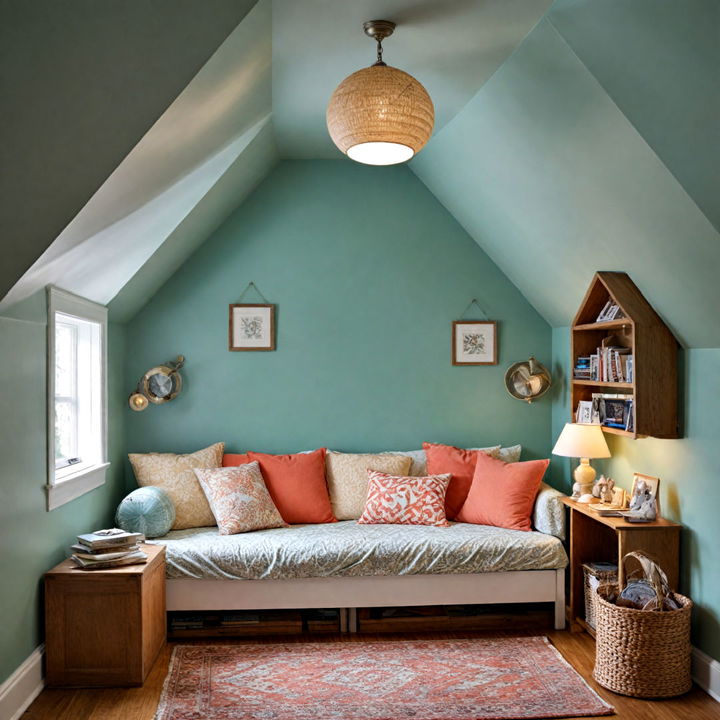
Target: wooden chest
(104,627)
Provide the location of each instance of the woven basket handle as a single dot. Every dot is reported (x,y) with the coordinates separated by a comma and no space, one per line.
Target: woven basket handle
(652,572)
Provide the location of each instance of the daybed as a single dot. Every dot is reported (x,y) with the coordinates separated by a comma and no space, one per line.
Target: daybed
(348,565)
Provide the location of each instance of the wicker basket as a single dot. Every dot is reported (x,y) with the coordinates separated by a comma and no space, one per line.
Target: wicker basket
(596,574)
(642,653)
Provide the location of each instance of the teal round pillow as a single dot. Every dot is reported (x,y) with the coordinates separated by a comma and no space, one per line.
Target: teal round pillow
(148,510)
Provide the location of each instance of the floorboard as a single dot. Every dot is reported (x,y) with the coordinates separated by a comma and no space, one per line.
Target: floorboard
(141,703)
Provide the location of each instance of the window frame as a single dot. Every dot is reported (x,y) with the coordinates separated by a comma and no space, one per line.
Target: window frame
(64,485)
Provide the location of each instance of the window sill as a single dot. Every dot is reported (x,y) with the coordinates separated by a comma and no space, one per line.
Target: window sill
(74,485)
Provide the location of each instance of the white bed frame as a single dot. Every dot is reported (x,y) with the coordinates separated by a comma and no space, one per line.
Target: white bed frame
(517,586)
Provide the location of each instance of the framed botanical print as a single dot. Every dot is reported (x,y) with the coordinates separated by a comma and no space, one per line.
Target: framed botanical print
(251,327)
(474,342)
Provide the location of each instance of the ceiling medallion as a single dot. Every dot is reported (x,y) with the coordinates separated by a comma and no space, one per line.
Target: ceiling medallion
(380,115)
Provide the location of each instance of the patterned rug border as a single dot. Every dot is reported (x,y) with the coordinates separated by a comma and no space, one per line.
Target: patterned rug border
(500,635)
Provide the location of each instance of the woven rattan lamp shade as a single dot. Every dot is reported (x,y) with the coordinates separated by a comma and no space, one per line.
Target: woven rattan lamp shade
(380,116)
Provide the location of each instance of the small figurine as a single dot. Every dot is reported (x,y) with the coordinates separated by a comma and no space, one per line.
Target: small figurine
(606,494)
(597,487)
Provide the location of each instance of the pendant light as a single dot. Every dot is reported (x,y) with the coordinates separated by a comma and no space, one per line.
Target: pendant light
(380,115)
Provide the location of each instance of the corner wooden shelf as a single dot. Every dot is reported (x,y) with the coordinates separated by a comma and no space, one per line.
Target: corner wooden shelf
(653,347)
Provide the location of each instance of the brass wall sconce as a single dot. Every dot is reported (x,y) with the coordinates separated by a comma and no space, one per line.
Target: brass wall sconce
(158,385)
(528,380)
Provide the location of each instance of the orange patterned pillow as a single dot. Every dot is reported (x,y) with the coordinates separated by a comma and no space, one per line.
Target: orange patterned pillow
(239,499)
(394,499)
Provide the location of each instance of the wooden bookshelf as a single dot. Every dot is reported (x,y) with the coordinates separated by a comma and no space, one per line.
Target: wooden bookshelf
(653,347)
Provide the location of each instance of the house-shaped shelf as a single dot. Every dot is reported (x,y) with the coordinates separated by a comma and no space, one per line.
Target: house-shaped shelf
(654,350)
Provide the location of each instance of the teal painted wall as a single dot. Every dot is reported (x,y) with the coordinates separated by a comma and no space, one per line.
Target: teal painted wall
(688,471)
(33,540)
(368,271)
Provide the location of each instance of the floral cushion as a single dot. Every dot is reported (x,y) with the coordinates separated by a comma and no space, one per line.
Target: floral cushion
(174,474)
(394,499)
(239,499)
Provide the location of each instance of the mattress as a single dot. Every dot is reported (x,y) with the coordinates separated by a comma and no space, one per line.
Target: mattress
(347,549)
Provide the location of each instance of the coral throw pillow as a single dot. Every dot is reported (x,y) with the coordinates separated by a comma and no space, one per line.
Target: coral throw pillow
(503,494)
(239,499)
(347,479)
(174,474)
(297,485)
(233,459)
(394,499)
(442,459)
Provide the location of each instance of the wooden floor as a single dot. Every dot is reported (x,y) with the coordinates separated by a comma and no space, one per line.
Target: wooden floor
(141,703)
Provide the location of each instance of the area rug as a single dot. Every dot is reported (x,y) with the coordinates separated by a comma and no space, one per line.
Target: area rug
(479,679)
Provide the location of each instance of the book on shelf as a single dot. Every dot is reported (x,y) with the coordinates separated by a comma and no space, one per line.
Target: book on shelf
(105,557)
(607,364)
(610,311)
(135,557)
(80,548)
(109,538)
(605,510)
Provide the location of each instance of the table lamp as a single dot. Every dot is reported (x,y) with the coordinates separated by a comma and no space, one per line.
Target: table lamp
(584,442)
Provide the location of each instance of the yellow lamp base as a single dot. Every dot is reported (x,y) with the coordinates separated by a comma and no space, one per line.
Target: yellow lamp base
(584,478)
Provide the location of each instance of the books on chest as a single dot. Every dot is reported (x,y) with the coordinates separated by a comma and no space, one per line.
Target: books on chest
(110,548)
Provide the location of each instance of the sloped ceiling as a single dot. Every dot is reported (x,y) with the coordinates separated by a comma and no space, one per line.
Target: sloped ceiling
(554,181)
(570,138)
(663,73)
(187,152)
(80,83)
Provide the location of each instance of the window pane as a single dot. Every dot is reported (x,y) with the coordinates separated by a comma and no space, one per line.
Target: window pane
(65,359)
(65,430)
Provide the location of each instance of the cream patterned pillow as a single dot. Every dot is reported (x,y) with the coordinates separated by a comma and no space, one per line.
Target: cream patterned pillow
(347,479)
(239,499)
(174,474)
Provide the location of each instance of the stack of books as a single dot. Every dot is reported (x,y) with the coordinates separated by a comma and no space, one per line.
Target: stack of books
(610,311)
(607,364)
(582,368)
(104,549)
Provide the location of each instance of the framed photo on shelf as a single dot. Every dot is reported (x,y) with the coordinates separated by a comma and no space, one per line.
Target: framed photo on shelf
(251,327)
(474,342)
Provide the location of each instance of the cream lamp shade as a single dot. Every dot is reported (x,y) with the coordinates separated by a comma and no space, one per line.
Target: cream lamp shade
(380,115)
(584,442)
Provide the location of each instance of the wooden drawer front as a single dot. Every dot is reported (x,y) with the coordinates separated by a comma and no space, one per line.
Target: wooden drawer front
(94,632)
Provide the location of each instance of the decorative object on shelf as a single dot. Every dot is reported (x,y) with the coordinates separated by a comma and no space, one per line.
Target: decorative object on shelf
(584,442)
(527,380)
(158,385)
(606,493)
(474,342)
(603,489)
(644,499)
(148,510)
(380,115)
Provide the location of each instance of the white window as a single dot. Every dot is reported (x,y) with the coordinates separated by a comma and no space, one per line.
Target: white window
(77,396)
